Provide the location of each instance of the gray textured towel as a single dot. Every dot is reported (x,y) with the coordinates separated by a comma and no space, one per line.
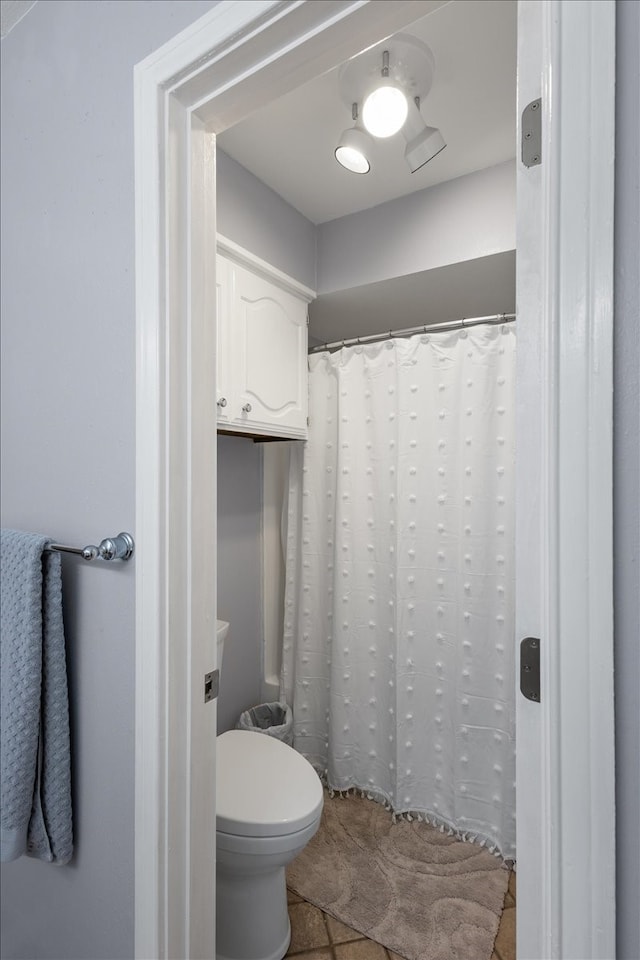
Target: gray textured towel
(35,781)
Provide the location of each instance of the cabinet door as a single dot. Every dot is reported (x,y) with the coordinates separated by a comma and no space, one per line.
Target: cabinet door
(224,281)
(270,335)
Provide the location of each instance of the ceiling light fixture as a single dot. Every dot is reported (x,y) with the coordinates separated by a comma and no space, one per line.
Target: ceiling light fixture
(423,142)
(353,147)
(385,109)
(390,101)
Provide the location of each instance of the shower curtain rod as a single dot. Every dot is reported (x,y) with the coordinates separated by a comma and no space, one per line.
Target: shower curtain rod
(410,331)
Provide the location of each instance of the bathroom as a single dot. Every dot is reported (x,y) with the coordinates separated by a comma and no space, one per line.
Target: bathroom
(71,278)
(450,243)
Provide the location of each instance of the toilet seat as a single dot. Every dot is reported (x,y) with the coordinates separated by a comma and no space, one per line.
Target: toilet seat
(264,788)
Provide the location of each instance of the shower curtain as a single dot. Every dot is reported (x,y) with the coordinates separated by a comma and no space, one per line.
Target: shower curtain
(398,650)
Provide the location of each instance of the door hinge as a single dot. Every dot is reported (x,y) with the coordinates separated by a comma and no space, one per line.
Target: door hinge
(308,420)
(530,668)
(532,133)
(211,685)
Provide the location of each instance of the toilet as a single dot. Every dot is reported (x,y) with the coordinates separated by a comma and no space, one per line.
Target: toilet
(268,806)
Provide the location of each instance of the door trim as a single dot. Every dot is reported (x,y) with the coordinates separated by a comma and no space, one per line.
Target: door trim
(565,744)
(239,56)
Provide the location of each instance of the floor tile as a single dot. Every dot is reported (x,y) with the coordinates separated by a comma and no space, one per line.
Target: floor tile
(360,950)
(323,953)
(308,928)
(505,944)
(512,884)
(293,897)
(396,956)
(340,932)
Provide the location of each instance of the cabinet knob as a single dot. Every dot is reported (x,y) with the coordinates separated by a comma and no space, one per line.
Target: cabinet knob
(246,408)
(222,402)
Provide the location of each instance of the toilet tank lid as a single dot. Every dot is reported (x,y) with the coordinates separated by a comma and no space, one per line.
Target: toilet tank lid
(263,787)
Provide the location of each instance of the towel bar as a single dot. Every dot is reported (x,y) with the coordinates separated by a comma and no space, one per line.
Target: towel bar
(112,548)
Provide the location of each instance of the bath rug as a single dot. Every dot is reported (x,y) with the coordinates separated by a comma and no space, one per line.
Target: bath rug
(415,890)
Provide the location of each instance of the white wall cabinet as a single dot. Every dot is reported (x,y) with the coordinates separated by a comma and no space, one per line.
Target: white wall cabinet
(261,375)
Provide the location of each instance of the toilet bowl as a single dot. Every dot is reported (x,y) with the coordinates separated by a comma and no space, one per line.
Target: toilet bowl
(268,806)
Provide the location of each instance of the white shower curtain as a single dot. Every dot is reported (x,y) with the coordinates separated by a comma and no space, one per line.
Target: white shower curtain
(398,653)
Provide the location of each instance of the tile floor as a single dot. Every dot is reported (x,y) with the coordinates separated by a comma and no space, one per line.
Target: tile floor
(317,936)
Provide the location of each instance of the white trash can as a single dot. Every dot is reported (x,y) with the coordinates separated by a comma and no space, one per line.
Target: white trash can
(274,719)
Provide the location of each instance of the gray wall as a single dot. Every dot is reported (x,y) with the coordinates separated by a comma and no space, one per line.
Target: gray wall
(441,229)
(470,288)
(257,218)
(462,219)
(252,215)
(239,574)
(68,388)
(626,489)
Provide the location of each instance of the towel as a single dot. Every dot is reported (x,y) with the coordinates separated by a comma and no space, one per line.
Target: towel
(35,766)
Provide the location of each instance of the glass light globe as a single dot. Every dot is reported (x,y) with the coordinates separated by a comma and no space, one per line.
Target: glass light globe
(385,111)
(352,159)
(353,147)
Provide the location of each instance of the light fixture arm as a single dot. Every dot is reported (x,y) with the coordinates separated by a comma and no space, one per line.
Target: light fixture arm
(414,124)
(385,64)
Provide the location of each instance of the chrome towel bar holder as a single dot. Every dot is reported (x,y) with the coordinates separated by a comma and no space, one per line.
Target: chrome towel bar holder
(112,548)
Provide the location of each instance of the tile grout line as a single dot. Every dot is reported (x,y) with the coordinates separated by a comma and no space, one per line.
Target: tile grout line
(330,945)
(329,937)
(508,897)
(308,951)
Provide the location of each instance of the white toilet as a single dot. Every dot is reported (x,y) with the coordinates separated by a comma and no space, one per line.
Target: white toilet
(268,806)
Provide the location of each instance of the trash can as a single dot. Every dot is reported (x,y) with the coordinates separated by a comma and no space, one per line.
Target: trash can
(274,719)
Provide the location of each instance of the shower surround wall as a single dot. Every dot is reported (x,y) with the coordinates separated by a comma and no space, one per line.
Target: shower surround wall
(399,618)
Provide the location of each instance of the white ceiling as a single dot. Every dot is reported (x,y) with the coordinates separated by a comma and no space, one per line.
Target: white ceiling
(289,145)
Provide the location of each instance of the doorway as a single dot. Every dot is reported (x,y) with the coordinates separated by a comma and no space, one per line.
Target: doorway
(176,457)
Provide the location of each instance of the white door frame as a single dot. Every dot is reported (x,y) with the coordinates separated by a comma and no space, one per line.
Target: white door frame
(565,795)
(238,57)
